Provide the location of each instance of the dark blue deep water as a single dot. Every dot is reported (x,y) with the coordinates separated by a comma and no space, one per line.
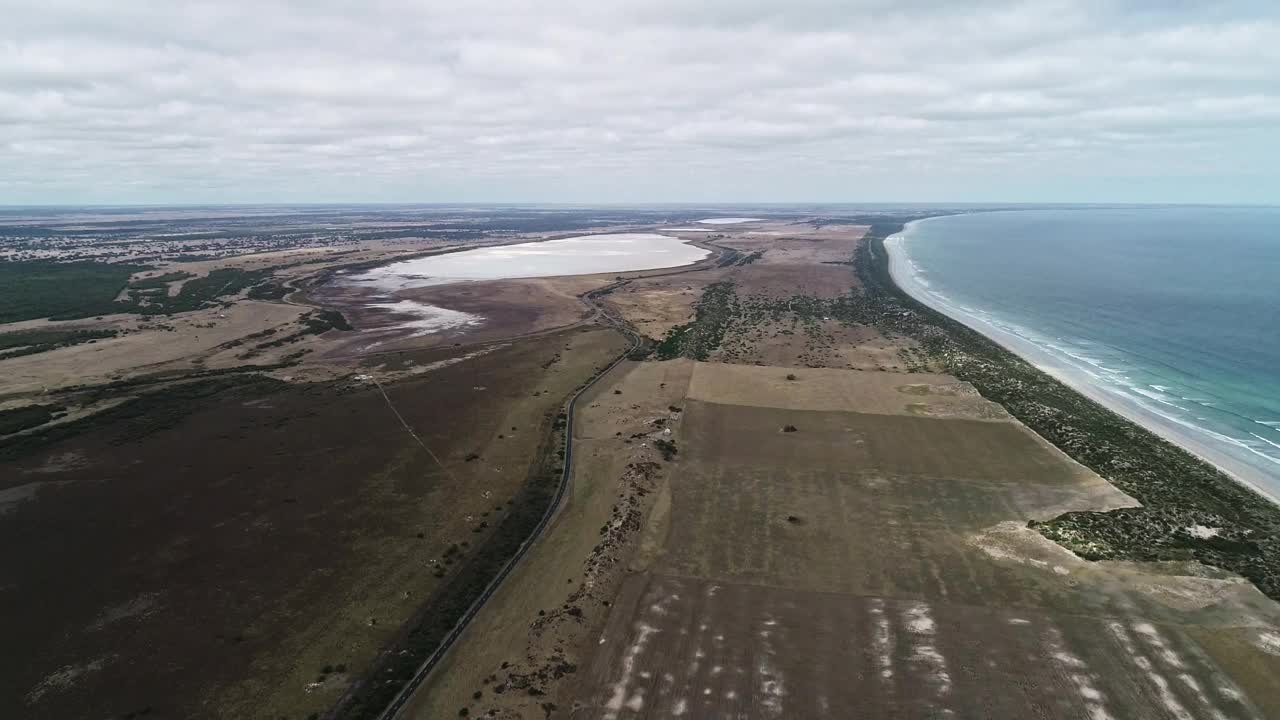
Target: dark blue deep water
(1177,309)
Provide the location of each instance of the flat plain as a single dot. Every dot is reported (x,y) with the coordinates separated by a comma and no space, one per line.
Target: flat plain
(271,501)
(842,531)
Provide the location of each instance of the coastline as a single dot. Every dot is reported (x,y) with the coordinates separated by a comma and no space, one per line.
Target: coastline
(901,273)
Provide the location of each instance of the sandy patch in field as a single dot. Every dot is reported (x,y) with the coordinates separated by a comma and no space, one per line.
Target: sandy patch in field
(655,311)
(655,305)
(1013,541)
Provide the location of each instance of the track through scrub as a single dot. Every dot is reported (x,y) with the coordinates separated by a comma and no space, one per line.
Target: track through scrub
(409,429)
(406,693)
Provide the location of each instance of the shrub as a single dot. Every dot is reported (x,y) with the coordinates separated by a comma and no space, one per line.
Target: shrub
(666,447)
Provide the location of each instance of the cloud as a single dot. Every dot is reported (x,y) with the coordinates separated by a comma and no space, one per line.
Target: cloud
(568,100)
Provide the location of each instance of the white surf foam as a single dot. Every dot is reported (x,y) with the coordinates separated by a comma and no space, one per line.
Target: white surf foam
(1094,376)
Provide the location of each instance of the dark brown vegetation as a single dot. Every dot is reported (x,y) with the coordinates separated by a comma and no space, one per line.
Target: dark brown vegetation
(29,416)
(195,529)
(30,342)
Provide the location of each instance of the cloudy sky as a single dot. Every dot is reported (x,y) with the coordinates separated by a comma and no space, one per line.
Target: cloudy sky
(133,101)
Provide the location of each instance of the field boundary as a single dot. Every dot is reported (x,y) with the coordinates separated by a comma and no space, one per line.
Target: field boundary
(397,705)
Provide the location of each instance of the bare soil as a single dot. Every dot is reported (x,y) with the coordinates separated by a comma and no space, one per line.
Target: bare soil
(877,564)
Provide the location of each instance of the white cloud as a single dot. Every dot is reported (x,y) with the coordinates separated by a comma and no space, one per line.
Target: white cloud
(663,100)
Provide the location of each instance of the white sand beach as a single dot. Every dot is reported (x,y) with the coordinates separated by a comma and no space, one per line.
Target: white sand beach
(1195,440)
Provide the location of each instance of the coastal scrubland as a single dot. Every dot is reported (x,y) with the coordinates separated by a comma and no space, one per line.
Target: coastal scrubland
(1190,510)
(804,496)
(852,524)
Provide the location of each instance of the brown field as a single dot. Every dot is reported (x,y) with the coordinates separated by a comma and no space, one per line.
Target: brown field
(686,647)
(825,389)
(734,543)
(214,567)
(866,564)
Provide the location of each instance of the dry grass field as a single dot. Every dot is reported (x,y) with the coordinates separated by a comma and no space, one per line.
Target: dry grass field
(877,564)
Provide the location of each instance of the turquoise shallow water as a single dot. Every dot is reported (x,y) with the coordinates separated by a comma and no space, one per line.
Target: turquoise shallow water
(1176,310)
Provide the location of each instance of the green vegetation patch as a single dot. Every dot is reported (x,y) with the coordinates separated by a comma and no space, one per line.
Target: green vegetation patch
(711,317)
(269,291)
(324,320)
(1191,510)
(203,291)
(71,290)
(24,418)
(29,342)
(61,290)
(141,416)
(313,323)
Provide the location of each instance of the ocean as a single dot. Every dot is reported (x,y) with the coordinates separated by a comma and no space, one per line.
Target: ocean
(1168,315)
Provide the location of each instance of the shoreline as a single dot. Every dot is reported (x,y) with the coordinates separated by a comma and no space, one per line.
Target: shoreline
(901,273)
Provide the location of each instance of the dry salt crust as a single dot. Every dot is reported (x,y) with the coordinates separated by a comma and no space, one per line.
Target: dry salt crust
(429,318)
(581,255)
